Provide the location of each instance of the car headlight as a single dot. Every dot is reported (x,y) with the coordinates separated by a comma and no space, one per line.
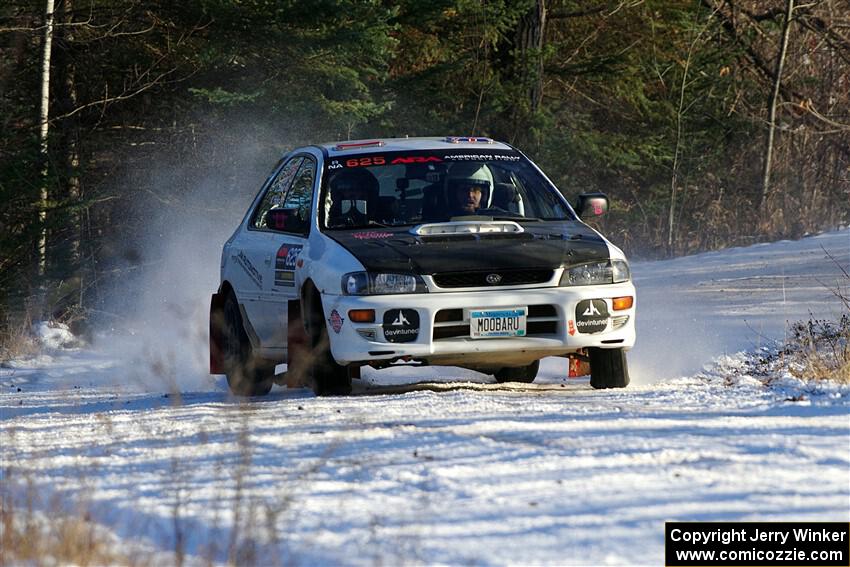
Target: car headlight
(620,271)
(369,283)
(594,273)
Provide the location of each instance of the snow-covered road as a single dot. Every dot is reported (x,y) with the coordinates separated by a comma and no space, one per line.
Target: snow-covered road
(449,473)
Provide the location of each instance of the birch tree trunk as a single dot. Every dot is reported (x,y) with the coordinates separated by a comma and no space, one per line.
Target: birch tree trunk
(777,83)
(45,114)
(680,111)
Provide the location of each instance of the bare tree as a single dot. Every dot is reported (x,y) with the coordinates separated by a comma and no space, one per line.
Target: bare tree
(680,116)
(777,83)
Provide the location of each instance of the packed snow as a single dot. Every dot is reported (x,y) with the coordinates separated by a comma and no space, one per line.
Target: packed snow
(440,465)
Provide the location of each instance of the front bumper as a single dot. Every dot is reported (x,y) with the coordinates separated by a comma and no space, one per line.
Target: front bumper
(552,326)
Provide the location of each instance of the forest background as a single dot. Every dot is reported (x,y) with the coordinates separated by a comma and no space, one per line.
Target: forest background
(709,123)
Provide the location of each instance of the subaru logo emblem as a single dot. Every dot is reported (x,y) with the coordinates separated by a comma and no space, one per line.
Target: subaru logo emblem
(493,279)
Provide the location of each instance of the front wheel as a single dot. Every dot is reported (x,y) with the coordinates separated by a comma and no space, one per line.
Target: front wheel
(327,378)
(246,376)
(608,368)
(524,374)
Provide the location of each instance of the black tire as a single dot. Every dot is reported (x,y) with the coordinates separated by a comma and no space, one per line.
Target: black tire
(326,377)
(524,374)
(246,375)
(608,368)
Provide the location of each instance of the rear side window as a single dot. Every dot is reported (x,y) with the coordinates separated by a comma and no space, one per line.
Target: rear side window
(276,192)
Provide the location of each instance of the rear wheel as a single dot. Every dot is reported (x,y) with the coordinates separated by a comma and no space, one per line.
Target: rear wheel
(246,375)
(327,378)
(524,374)
(608,368)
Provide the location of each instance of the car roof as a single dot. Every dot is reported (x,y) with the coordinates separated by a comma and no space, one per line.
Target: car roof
(372,145)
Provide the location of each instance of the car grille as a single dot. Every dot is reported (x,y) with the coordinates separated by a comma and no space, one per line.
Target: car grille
(541,320)
(479,279)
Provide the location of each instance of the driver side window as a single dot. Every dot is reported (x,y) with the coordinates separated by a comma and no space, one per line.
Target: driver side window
(276,192)
(300,196)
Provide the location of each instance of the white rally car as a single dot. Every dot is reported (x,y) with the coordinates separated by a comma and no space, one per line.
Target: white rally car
(453,251)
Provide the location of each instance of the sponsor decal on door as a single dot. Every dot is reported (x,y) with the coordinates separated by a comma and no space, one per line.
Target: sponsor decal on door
(284,267)
(249,269)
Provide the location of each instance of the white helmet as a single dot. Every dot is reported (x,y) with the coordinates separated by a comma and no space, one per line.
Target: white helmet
(464,174)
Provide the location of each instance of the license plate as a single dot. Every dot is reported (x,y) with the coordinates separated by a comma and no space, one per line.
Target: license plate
(491,323)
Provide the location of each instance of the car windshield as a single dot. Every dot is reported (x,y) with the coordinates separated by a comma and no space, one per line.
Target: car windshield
(403,188)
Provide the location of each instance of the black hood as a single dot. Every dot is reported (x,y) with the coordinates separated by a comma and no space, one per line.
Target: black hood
(543,245)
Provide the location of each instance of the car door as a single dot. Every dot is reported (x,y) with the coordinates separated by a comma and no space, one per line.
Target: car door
(281,252)
(252,255)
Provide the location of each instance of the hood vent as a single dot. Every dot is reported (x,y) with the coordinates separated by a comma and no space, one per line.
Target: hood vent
(466,228)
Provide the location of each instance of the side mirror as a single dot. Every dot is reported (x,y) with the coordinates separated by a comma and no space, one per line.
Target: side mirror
(592,205)
(286,220)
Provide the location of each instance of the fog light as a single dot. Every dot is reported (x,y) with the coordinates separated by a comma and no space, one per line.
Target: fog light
(619,303)
(368,333)
(361,315)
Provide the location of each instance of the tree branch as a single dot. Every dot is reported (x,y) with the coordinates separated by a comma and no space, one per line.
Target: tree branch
(839,43)
(769,15)
(751,54)
(562,15)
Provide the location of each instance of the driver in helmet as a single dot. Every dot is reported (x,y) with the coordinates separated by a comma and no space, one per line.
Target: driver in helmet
(350,191)
(468,189)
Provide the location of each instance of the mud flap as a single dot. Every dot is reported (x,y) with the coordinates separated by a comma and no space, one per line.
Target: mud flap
(217,334)
(297,347)
(579,364)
